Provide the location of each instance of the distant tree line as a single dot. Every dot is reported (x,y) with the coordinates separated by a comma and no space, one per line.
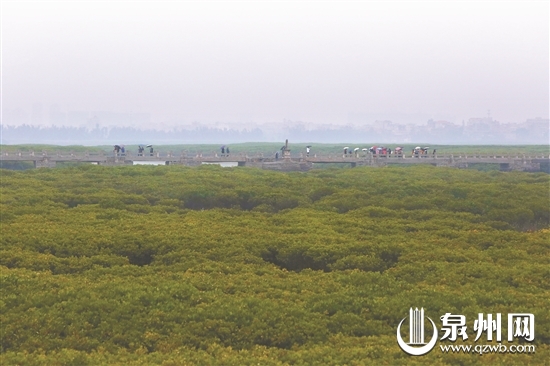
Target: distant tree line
(382,131)
(104,135)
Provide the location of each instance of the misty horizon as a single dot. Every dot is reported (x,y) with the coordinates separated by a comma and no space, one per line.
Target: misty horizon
(240,65)
(475,131)
(37,115)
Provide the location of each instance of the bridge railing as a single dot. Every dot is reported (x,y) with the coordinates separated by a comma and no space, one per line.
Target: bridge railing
(169,155)
(429,156)
(436,159)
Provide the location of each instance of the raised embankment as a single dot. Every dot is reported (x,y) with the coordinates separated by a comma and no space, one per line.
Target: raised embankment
(288,163)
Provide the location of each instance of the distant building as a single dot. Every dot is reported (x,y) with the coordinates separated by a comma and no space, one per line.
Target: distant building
(439,124)
(482,122)
(538,123)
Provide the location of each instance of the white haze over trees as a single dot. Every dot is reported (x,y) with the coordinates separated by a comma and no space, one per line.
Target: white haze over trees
(275,66)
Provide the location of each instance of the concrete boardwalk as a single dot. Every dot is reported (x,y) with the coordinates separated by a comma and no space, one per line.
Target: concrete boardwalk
(301,162)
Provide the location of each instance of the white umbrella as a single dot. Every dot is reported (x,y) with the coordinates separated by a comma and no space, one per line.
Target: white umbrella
(365,149)
(356,149)
(346,147)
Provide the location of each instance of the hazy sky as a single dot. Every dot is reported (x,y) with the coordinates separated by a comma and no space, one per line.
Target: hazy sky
(318,62)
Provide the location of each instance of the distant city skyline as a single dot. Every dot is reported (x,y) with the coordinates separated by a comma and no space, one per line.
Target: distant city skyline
(38,115)
(484,130)
(245,63)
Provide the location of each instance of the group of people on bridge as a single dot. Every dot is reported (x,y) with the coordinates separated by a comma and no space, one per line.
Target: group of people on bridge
(120,150)
(422,151)
(373,150)
(384,151)
(225,151)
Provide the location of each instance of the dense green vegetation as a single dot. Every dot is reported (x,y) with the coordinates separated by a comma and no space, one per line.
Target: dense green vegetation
(171,265)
